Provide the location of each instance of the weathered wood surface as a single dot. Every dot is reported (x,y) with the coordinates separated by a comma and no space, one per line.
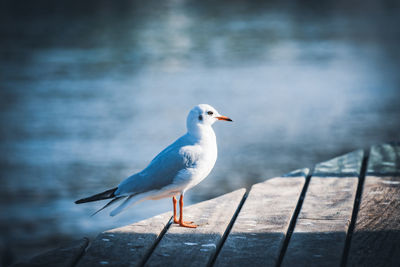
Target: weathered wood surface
(348,165)
(258,235)
(195,247)
(65,256)
(384,160)
(376,237)
(320,233)
(298,173)
(125,246)
(259,231)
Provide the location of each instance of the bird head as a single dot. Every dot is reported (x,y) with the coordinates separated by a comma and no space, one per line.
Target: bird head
(203,115)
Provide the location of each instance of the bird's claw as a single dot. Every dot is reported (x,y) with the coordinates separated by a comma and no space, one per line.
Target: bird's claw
(185,222)
(188,225)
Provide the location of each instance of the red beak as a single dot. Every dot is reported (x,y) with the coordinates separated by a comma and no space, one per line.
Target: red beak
(224,118)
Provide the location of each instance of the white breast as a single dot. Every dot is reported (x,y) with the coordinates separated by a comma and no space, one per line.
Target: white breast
(207,156)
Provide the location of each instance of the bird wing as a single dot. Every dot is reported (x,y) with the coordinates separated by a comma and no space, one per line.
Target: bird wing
(162,169)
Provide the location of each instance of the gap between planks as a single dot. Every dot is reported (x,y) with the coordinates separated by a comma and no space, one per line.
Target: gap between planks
(356,207)
(149,254)
(82,254)
(228,229)
(296,213)
(158,239)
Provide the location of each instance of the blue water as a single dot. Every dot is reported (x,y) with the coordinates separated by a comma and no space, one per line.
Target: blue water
(90,94)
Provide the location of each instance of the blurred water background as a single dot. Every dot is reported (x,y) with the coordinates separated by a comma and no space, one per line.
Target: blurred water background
(91,91)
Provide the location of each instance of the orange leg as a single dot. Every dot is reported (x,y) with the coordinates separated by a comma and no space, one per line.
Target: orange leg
(174,201)
(181,222)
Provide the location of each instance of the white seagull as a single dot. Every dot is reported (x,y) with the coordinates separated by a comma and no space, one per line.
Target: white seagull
(179,167)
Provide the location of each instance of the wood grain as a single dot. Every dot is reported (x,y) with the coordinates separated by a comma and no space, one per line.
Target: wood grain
(64,256)
(260,228)
(125,246)
(320,232)
(384,160)
(348,165)
(376,237)
(195,247)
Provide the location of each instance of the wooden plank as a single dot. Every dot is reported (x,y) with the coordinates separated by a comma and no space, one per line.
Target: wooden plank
(195,247)
(320,232)
(376,236)
(384,160)
(348,165)
(125,246)
(260,228)
(329,198)
(298,173)
(64,256)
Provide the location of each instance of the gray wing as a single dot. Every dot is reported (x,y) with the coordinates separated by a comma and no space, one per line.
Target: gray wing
(160,172)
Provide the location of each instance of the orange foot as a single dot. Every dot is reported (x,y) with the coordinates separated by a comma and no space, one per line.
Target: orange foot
(185,222)
(188,225)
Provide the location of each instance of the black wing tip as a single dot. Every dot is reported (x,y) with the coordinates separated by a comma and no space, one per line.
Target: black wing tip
(103,195)
(83,200)
(80,201)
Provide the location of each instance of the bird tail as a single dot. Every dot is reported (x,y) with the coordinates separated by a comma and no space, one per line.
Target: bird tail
(130,200)
(108,204)
(100,196)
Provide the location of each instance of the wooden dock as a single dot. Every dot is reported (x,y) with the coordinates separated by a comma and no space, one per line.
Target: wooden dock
(342,212)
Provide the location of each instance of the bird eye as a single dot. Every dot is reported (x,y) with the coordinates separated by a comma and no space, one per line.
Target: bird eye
(210,112)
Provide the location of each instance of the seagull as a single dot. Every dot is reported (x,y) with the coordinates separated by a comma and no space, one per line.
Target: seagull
(176,169)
